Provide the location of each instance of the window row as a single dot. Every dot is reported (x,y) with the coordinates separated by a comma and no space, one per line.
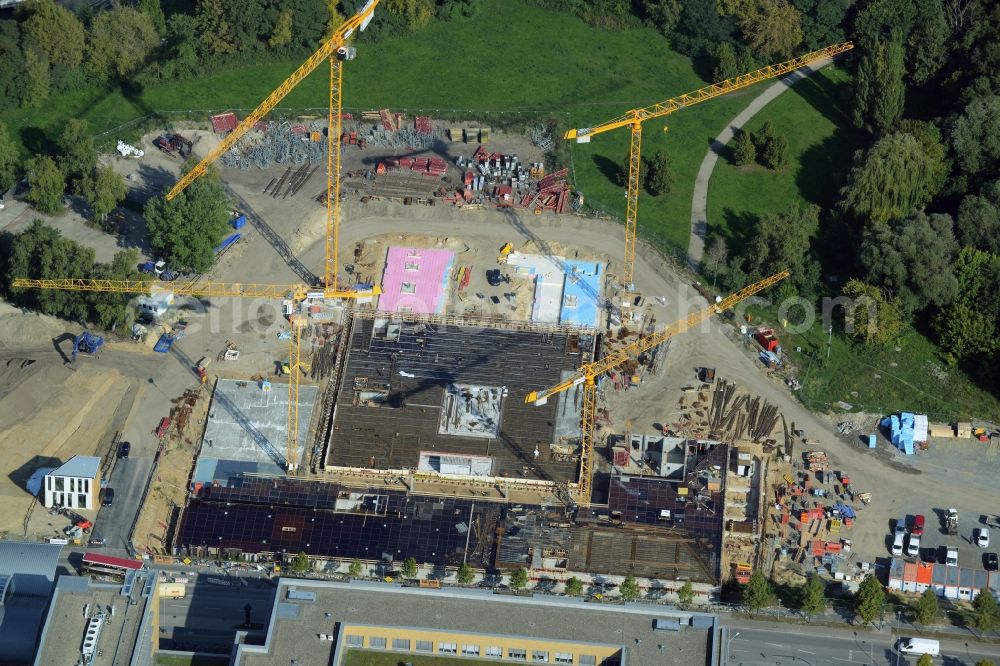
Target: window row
(469,650)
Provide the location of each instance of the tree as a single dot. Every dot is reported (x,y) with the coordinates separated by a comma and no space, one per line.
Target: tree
(925,660)
(775,154)
(214,32)
(662,14)
(978,222)
(120,41)
(187,228)
(927,45)
(822,21)
(985,612)
(878,87)
(574,587)
(872,317)
(629,589)
(518,579)
(12,73)
(106,190)
(57,31)
(757,593)
(985,662)
(154,12)
(771,27)
(40,252)
(926,609)
(79,154)
(744,152)
(890,179)
(336,18)
(685,595)
(8,160)
(37,80)
(764,134)
(659,175)
(354,569)
(975,136)
(701,27)
(300,563)
(913,258)
(282,33)
(714,263)
(784,240)
(870,598)
(409,568)
(968,326)
(813,599)
(46,184)
(465,575)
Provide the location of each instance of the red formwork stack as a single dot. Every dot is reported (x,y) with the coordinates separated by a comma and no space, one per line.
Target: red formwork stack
(423,124)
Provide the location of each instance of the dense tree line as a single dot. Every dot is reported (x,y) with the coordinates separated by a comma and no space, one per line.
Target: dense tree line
(48,49)
(915,230)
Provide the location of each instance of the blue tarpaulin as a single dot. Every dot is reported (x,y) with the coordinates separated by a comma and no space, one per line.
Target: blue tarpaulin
(845,511)
(239,222)
(164,344)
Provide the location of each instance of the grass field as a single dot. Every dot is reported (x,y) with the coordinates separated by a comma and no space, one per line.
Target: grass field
(174,660)
(366,658)
(509,59)
(821,143)
(915,378)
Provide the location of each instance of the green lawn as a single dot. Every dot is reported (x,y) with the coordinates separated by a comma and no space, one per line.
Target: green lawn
(821,142)
(880,379)
(510,59)
(366,658)
(173,660)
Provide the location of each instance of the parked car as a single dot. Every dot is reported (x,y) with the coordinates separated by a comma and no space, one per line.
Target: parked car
(123,449)
(951,557)
(109,497)
(983,537)
(990,561)
(918,524)
(900,526)
(913,546)
(897,544)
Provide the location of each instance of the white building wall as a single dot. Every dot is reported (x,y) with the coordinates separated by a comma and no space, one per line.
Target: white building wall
(69,491)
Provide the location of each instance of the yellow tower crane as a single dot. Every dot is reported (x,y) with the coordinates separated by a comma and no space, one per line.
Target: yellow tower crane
(588,373)
(634,119)
(334,50)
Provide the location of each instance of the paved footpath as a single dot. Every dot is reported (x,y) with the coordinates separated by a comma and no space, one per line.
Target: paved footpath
(699,200)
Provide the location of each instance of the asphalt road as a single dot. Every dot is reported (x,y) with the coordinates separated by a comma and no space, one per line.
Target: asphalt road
(753,645)
(128,480)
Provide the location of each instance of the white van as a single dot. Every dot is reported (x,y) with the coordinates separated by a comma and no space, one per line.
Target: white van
(919,646)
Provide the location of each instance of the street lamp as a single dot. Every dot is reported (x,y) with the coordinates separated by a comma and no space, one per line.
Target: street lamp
(729,643)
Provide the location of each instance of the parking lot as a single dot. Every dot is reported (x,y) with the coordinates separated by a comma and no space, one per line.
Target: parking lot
(935,538)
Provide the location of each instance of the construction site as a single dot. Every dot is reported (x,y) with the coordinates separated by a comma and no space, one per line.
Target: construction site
(433,356)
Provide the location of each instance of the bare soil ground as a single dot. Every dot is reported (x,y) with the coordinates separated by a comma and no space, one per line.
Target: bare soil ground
(49,412)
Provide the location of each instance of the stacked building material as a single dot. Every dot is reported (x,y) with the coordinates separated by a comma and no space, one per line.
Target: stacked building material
(817,461)
(423,124)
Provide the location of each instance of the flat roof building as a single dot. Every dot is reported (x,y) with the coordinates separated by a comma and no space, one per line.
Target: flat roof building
(320,622)
(75,484)
(27,575)
(101,623)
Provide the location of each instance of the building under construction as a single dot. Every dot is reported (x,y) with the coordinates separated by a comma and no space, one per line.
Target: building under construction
(429,396)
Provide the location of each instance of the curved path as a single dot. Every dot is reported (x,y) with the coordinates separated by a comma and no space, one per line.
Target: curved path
(699,200)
